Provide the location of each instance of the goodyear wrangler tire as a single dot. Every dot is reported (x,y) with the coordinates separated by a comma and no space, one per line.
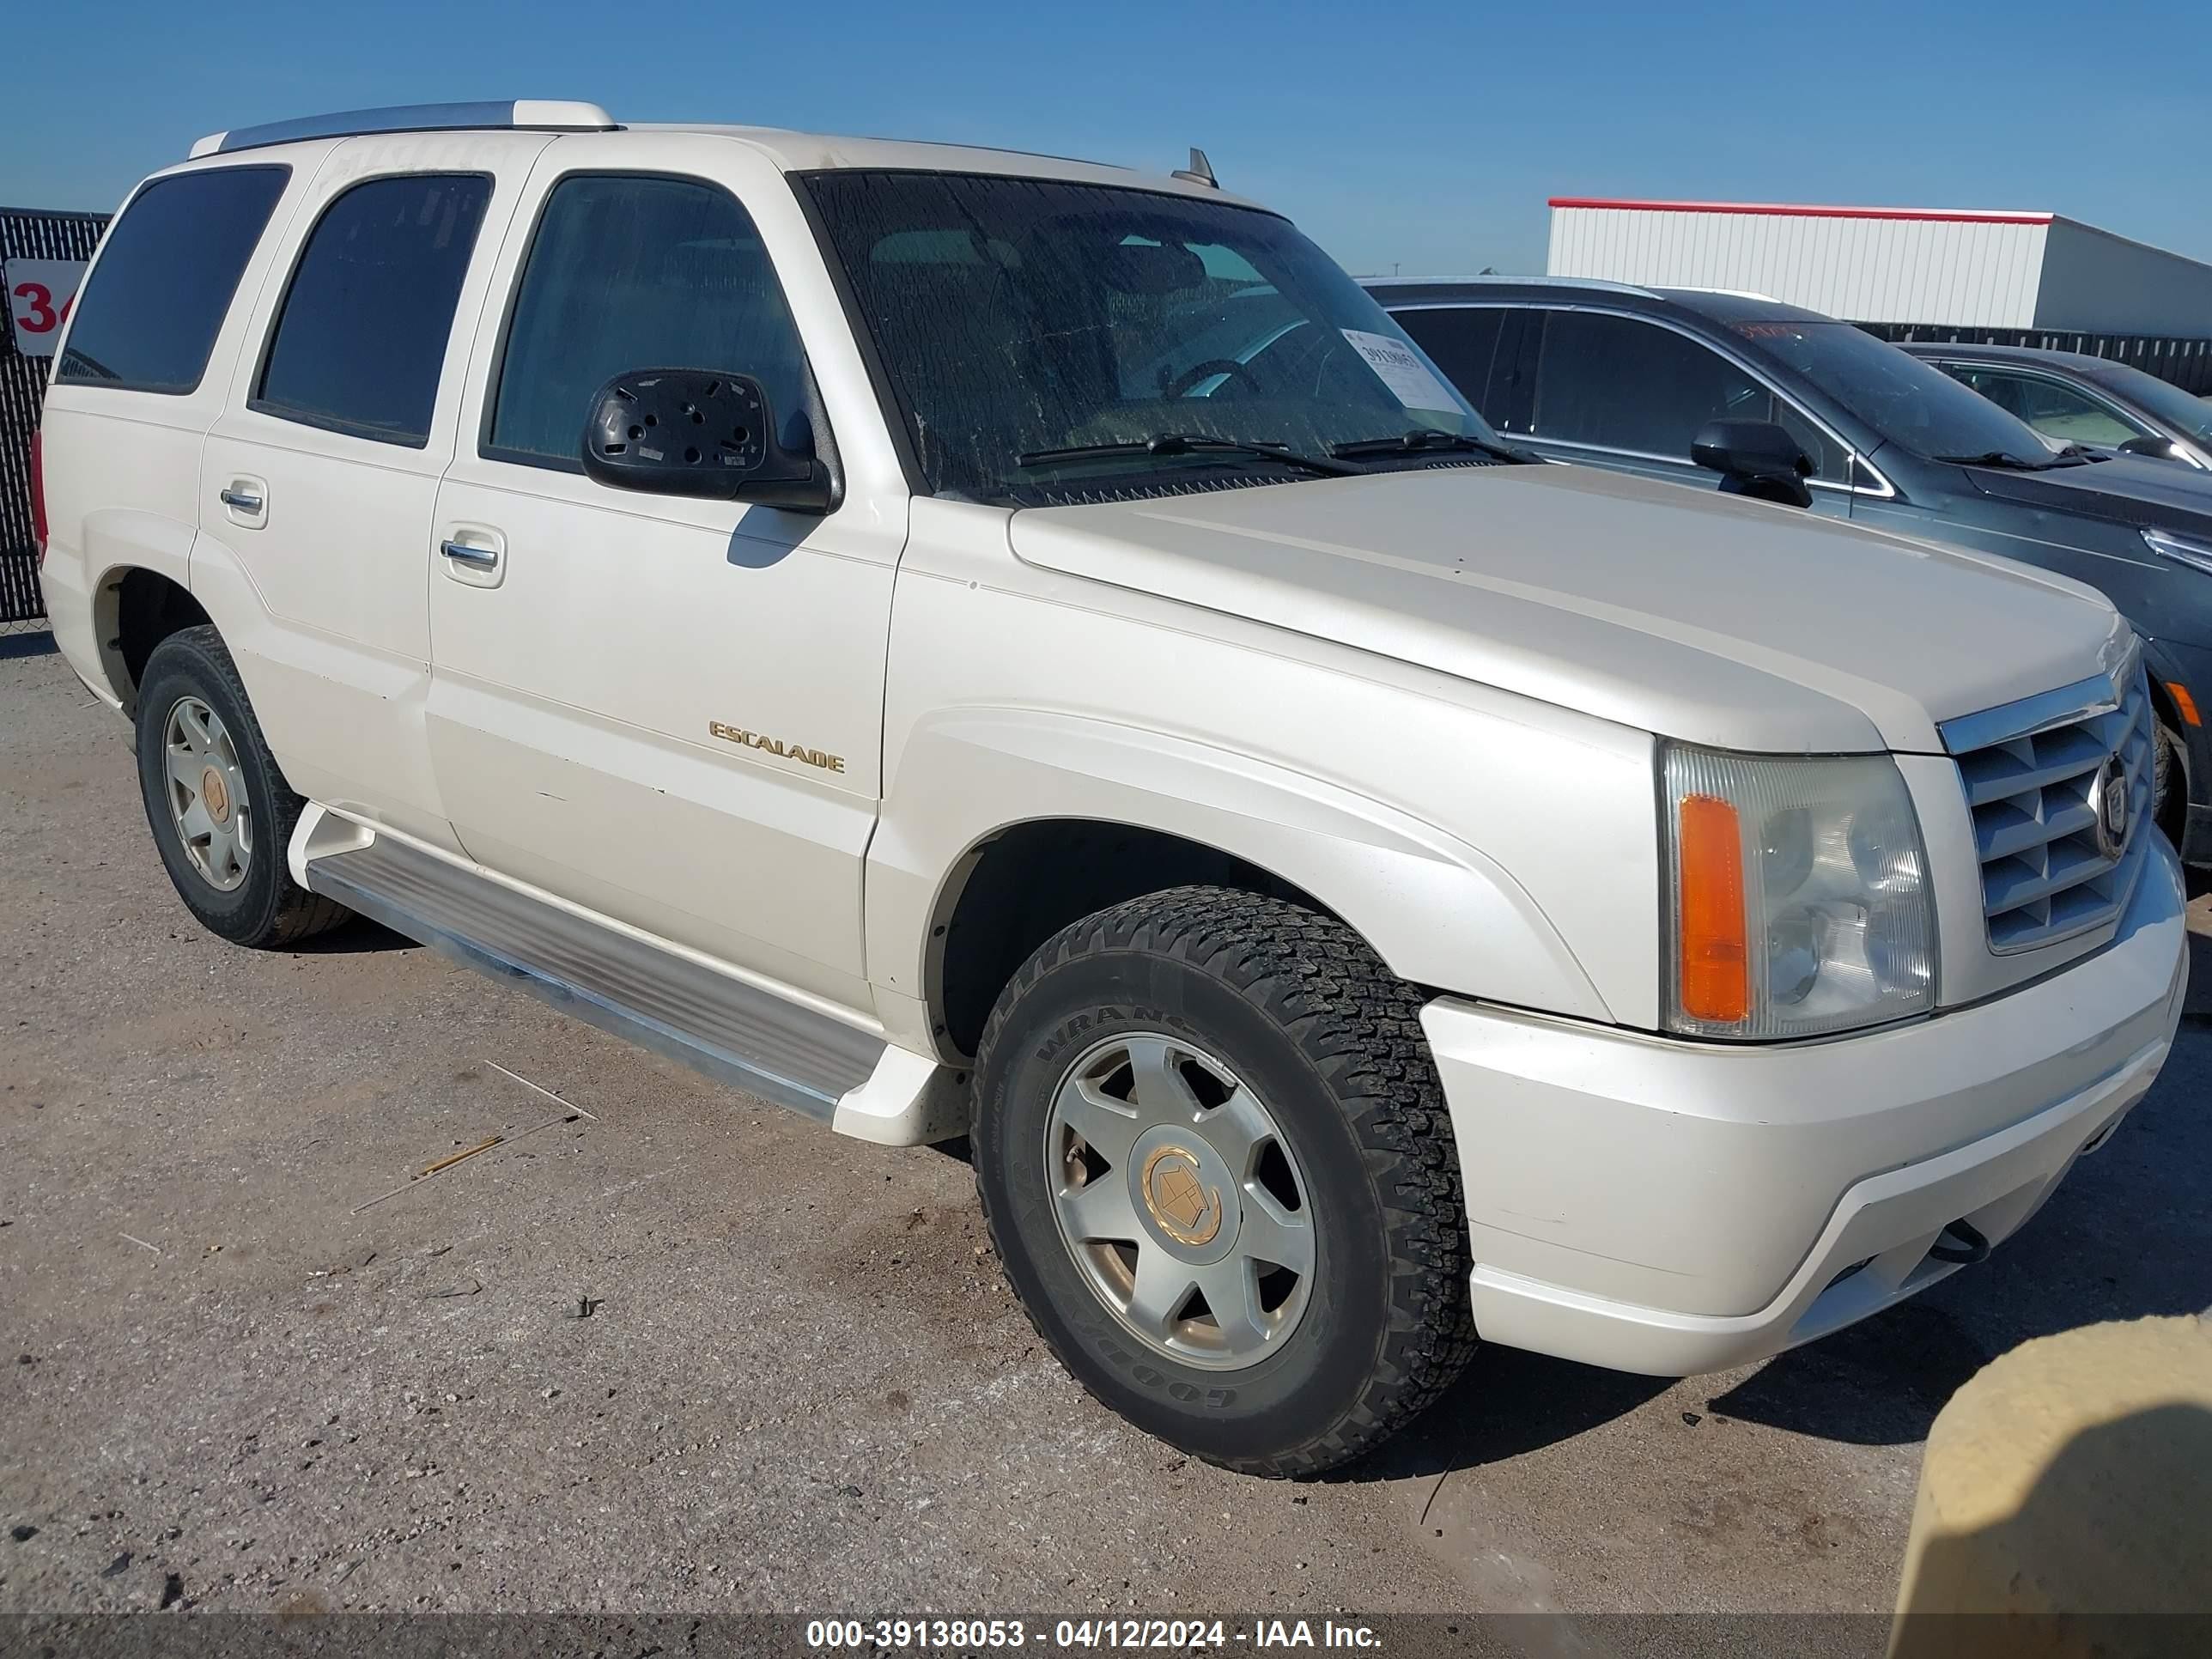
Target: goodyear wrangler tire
(220,811)
(1215,1160)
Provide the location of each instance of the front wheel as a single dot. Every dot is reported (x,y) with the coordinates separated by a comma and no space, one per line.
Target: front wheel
(1215,1160)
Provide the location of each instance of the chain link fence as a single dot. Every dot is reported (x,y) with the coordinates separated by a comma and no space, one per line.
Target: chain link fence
(27,233)
(2183,361)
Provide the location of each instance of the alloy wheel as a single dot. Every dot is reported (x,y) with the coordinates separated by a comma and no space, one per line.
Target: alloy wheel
(1179,1201)
(206,792)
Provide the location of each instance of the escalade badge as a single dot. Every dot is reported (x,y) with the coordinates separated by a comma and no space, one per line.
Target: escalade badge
(775,746)
(2108,808)
(1187,1212)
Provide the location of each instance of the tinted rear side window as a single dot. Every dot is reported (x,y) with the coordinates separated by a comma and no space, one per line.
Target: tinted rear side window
(1461,340)
(150,312)
(361,336)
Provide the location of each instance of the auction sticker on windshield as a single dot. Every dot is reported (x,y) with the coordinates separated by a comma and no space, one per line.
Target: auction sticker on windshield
(1412,381)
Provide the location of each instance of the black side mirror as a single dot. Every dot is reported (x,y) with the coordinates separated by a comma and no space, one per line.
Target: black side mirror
(1757,458)
(2162,449)
(694,432)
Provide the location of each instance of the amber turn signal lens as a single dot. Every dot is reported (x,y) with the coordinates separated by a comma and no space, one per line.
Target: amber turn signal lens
(1715,970)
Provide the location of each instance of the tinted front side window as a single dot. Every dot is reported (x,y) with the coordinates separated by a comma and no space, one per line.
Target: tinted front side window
(1623,383)
(150,310)
(632,272)
(1461,340)
(1619,383)
(361,336)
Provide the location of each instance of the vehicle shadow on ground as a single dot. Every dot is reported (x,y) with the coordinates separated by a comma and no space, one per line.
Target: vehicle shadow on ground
(357,937)
(1504,1404)
(40,644)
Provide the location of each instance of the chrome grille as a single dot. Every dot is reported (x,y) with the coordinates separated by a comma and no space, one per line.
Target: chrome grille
(2031,771)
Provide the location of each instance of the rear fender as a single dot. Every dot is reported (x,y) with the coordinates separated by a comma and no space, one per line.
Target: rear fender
(118,541)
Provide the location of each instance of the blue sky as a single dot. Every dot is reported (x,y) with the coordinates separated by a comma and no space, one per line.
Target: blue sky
(1421,138)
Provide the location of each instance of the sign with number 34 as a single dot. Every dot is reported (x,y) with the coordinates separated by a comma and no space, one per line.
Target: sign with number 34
(40,292)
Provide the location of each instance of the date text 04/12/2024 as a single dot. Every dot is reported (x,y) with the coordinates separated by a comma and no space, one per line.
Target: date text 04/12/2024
(1168,1635)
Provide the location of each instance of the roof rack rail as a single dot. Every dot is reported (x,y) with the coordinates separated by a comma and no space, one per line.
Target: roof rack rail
(1724,292)
(1505,280)
(537,114)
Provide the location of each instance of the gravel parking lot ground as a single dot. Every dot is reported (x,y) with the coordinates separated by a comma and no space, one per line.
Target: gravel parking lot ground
(669,1349)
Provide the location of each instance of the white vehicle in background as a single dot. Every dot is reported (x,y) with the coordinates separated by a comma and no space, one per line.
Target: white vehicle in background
(858,617)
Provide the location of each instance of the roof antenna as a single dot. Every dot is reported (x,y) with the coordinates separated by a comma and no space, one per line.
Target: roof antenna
(1200,172)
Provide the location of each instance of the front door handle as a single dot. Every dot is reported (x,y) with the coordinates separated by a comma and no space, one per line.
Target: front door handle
(475,554)
(244,499)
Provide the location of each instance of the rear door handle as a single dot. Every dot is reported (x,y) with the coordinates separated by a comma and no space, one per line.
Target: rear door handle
(475,554)
(245,501)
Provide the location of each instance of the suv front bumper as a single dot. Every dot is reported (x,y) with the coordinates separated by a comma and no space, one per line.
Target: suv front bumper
(1673,1207)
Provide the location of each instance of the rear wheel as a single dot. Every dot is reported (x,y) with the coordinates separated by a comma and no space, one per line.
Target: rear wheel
(220,812)
(1215,1160)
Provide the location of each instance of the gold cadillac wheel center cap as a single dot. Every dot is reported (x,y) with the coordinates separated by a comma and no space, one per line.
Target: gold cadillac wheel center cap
(216,794)
(1188,1199)
(1182,1207)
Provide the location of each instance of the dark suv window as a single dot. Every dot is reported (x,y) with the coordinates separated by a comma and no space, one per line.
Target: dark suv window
(151,310)
(362,337)
(2054,409)
(1461,340)
(1622,383)
(636,272)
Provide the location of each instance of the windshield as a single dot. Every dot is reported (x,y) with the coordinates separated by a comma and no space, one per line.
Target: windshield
(1016,317)
(1906,401)
(2181,410)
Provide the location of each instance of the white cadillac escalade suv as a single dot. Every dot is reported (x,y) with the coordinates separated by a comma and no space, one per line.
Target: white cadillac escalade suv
(961,642)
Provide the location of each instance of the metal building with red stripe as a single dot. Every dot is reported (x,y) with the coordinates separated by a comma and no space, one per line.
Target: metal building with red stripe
(1948,267)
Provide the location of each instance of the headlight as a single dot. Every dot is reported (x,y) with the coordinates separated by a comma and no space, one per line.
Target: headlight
(2182,549)
(1797,895)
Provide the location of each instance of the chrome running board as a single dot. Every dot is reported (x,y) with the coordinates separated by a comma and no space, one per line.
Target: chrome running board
(733,1031)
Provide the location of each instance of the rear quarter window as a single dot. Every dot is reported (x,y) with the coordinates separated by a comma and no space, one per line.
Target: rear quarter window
(147,317)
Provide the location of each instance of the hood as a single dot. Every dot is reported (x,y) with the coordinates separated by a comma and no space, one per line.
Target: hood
(2130,489)
(1676,610)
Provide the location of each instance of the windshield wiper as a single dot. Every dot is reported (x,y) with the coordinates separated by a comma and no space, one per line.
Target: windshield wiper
(1189,443)
(1999,457)
(1428,438)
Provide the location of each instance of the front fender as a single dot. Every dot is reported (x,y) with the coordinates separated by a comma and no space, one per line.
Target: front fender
(2188,667)
(1437,910)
